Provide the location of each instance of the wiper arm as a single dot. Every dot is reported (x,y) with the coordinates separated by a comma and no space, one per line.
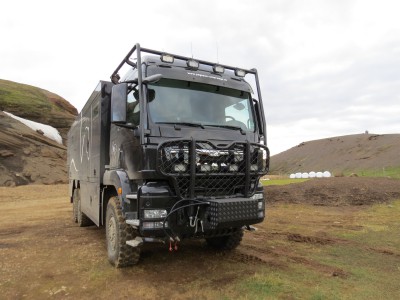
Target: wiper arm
(228,127)
(183,123)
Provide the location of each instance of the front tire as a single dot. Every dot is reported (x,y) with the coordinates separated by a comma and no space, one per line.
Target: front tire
(117,233)
(226,242)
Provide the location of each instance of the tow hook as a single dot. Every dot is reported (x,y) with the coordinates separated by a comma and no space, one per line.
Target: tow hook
(175,241)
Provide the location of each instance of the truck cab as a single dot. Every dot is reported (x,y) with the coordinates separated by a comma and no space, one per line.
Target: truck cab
(181,149)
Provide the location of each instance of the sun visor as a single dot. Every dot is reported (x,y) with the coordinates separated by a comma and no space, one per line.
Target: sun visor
(199,76)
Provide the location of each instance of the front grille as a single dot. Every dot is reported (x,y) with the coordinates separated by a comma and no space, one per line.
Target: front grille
(201,169)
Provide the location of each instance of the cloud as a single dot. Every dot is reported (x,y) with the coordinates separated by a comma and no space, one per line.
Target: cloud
(326,67)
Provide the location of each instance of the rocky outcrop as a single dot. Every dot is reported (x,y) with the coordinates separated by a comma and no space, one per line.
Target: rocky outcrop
(29,157)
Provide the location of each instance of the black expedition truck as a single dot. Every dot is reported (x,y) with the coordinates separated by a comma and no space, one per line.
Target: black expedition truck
(174,150)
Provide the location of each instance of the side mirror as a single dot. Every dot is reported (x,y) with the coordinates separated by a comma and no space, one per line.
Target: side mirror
(118,103)
(260,120)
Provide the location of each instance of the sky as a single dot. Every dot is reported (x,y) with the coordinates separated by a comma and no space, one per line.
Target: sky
(326,67)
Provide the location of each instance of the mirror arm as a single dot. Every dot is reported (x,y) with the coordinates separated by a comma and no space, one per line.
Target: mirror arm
(152,78)
(130,81)
(130,126)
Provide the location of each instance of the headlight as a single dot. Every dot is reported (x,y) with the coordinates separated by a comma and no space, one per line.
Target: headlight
(254,168)
(238,156)
(214,166)
(233,168)
(257,197)
(154,225)
(205,168)
(155,213)
(180,168)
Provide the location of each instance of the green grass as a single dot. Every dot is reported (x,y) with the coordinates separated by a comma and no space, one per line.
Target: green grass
(392,172)
(295,283)
(281,181)
(369,258)
(23,97)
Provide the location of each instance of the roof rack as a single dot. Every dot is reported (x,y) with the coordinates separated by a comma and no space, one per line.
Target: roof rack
(115,77)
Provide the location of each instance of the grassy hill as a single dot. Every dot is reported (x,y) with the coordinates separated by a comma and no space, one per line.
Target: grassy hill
(362,154)
(26,156)
(37,105)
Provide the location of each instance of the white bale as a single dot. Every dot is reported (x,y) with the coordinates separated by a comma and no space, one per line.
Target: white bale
(327,174)
(292,176)
(304,175)
(311,174)
(298,175)
(319,175)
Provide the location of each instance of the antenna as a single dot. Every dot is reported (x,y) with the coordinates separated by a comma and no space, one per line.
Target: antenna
(217,54)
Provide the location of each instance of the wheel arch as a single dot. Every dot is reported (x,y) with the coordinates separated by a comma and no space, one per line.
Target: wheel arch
(73,184)
(115,183)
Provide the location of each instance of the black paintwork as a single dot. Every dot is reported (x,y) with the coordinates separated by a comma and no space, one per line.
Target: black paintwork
(104,157)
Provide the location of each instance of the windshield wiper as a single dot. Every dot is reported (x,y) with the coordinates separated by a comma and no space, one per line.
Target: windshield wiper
(183,123)
(228,127)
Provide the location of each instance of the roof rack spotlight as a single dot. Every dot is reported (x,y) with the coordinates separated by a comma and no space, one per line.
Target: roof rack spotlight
(193,64)
(240,73)
(167,58)
(218,69)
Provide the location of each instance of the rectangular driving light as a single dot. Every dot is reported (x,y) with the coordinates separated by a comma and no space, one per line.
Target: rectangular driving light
(155,213)
(167,58)
(240,73)
(154,225)
(218,69)
(193,64)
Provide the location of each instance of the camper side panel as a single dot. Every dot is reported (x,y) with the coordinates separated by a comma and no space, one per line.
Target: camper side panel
(87,153)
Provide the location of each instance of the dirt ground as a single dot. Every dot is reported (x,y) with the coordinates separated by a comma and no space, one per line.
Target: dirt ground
(43,254)
(337,191)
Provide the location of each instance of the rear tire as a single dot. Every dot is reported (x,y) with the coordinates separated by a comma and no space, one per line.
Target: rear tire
(81,218)
(226,242)
(117,233)
(75,206)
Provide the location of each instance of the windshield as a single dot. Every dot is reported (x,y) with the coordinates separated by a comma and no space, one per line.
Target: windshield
(176,101)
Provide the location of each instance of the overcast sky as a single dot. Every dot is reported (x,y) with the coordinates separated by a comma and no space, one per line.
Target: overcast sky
(327,68)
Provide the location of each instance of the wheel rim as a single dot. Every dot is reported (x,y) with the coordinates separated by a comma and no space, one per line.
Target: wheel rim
(112,233)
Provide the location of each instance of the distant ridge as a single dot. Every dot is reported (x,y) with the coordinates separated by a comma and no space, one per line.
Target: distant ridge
(340,155)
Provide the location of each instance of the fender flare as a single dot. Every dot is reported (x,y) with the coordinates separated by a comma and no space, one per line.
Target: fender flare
(118,179)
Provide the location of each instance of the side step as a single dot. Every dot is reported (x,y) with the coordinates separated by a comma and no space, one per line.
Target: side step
(138,241)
